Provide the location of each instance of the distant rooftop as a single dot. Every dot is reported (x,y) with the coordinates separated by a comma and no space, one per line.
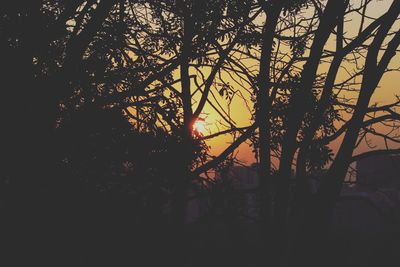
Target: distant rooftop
(379,171)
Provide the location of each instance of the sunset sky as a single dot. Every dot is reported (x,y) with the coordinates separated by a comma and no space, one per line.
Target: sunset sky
(385,94)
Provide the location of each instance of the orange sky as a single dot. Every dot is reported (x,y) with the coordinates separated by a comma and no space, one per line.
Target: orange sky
(386,92)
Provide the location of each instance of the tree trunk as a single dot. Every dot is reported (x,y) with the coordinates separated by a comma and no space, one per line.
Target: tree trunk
(263,112)
(300,106)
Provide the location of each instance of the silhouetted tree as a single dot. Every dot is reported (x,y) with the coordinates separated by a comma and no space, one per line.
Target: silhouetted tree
(100,99)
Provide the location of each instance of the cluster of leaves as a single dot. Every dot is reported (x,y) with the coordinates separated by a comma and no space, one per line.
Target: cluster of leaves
(318,156)
(103,150)
(294,6)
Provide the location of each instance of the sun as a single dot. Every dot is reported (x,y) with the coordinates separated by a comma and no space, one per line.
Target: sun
(199,126)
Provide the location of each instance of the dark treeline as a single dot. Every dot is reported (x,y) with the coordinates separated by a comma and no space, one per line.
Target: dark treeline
(99,100)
